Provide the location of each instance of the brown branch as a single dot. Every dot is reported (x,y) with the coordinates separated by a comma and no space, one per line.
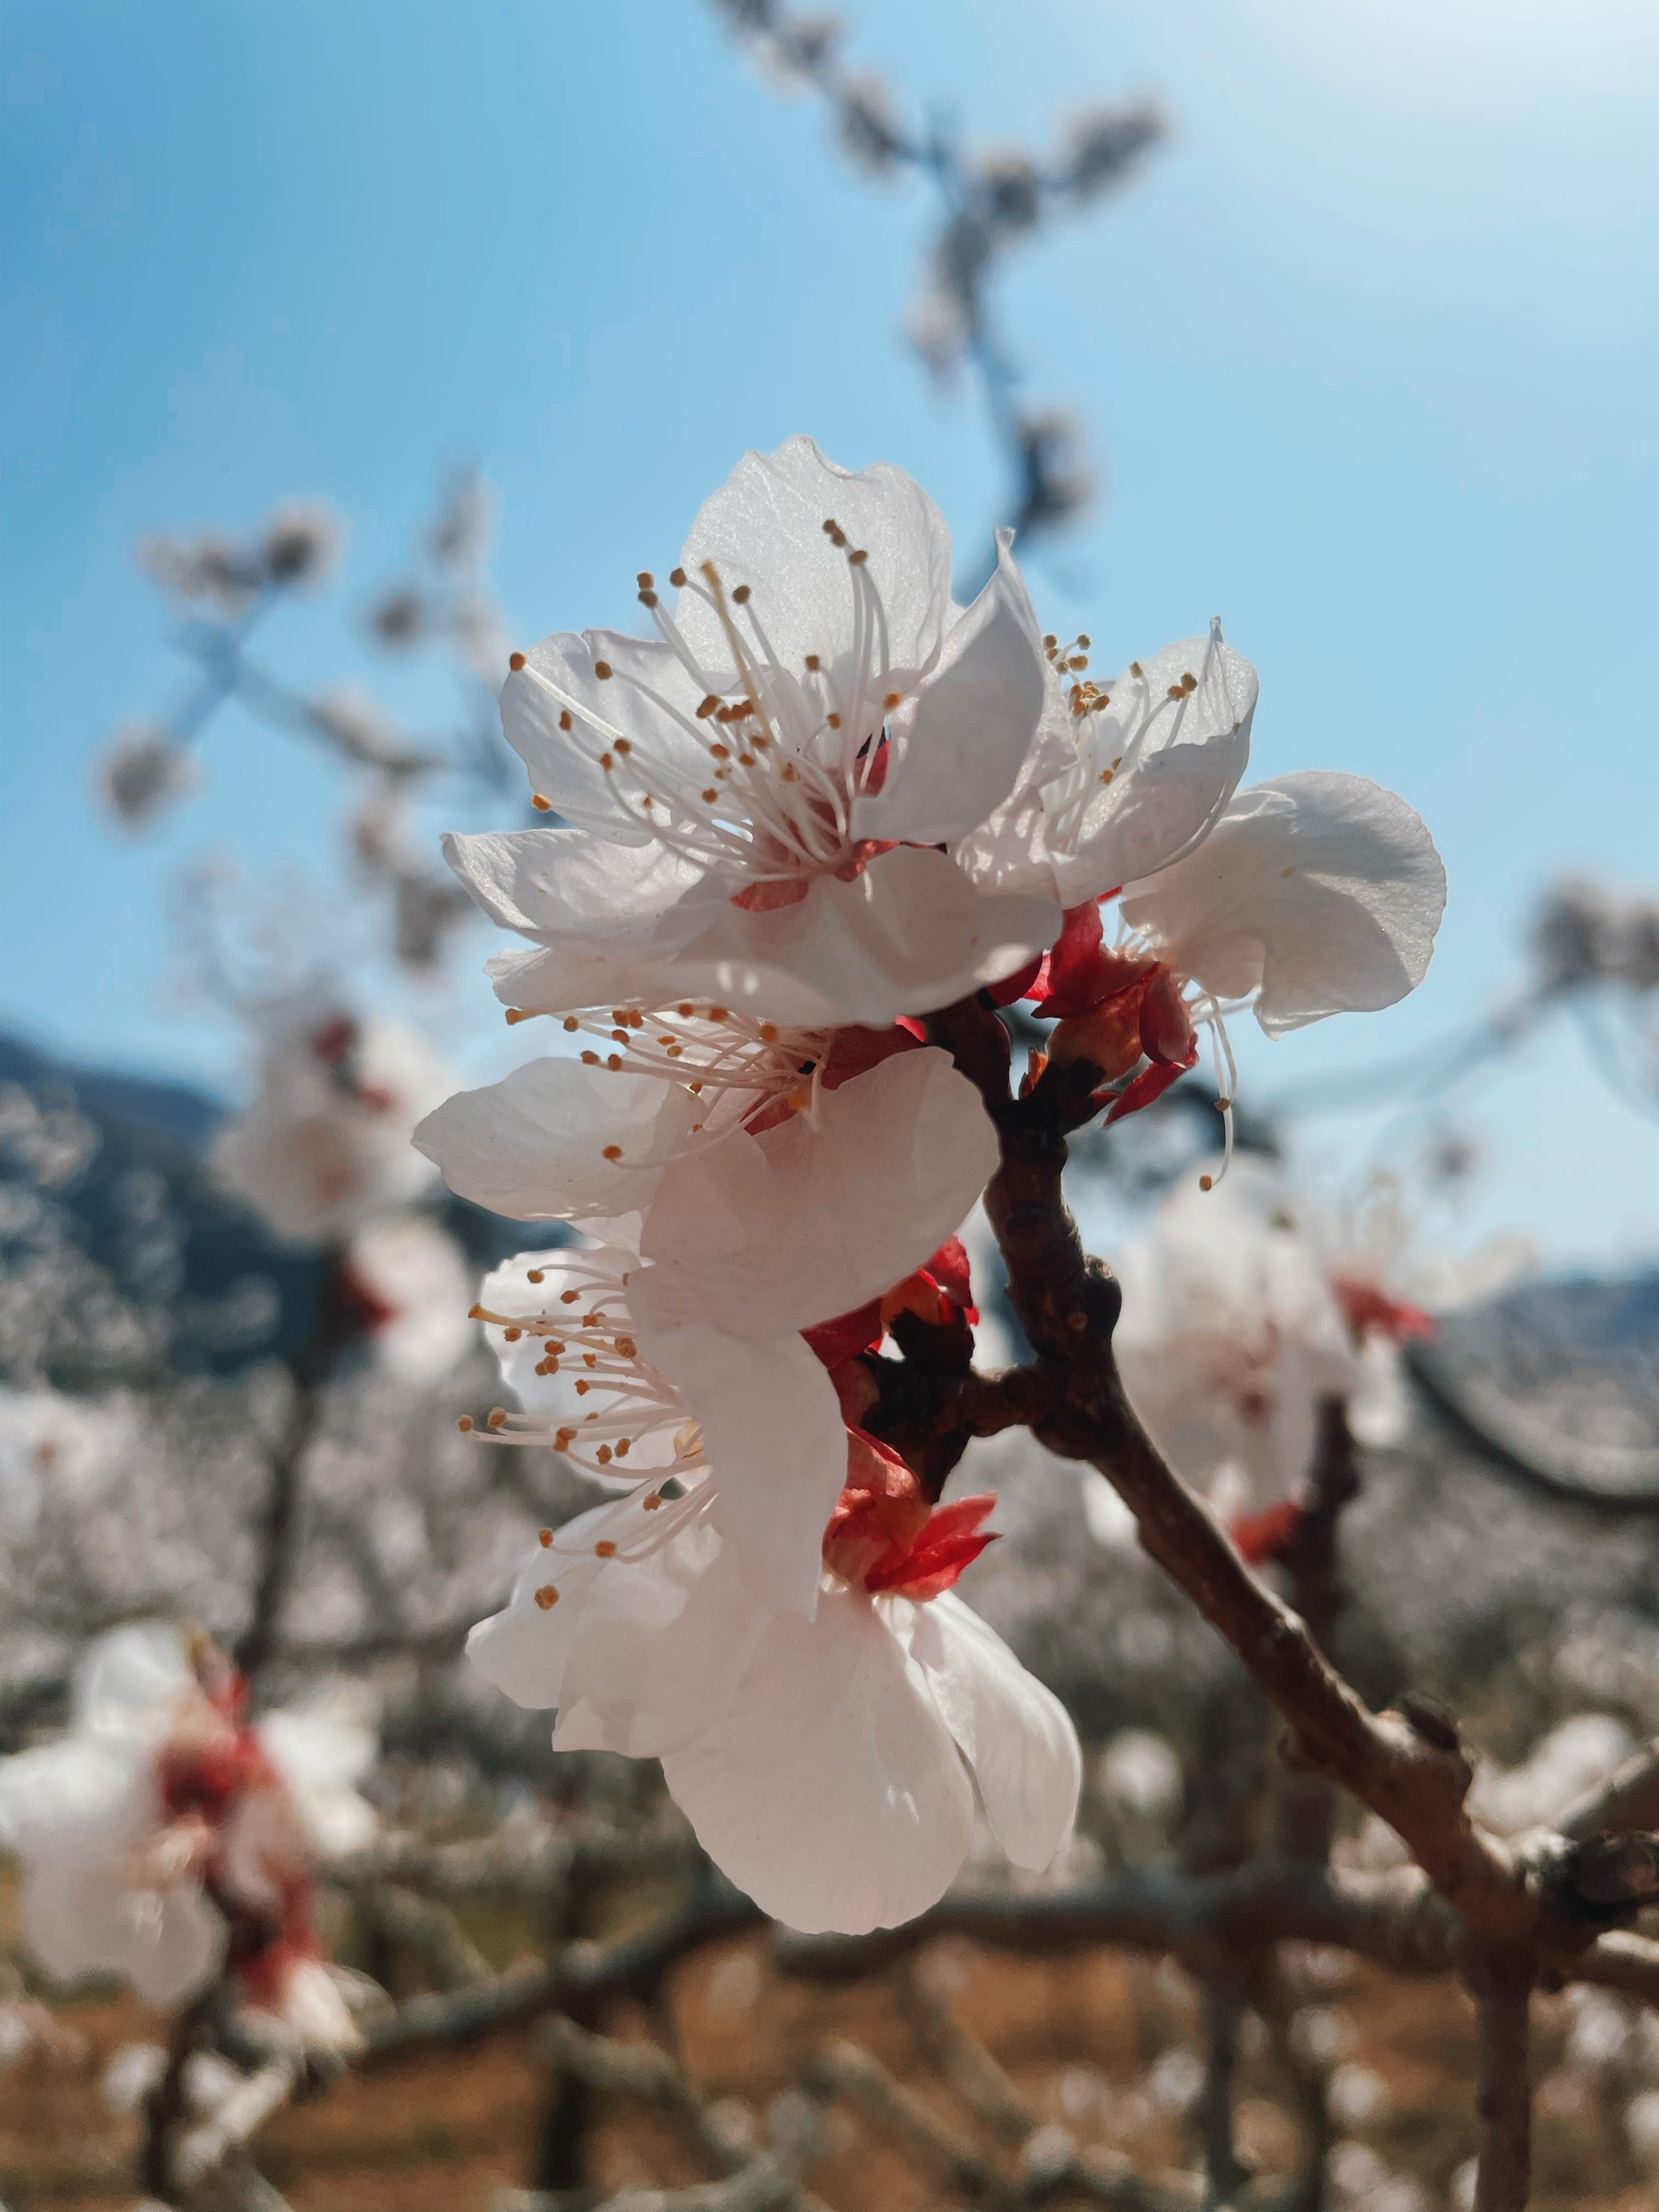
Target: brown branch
(1504,2093)
(1629,1798)
(1621,1961)
(1224,2170)
(1067,1304)
(633,1967)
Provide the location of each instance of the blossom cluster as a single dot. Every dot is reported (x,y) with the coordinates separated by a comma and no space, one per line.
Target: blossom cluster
(819,802)
(169,1839)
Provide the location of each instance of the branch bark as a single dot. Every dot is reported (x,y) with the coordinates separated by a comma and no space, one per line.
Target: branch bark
(1504,2094)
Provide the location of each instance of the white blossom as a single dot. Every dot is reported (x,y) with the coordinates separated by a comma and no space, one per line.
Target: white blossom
(755,796)
(1230,1337)
(675,1347)
(826,1763)
(325,1146)
(160,1816)
(1128,777)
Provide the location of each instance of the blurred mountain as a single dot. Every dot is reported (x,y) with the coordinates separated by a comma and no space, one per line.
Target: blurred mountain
(119,1257)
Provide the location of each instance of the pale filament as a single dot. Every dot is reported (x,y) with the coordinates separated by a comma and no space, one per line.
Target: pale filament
(712,1051)
(1069,796)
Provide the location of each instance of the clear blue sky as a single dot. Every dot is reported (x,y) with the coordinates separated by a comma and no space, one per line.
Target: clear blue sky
(1368,354)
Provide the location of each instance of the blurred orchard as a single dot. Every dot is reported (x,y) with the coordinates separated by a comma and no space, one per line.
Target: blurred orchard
(1248,1805)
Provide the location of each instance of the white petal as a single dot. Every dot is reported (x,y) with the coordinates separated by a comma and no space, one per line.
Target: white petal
(774,1233)
(961,747)
(830,1789)
(523,1649)
(1016,1734)
(664,1641)
(648,700)
(1323,891)
(909,935)
(1180,762)
(562,886)
(131,1677)
(765,527)
(321,1748)
(533,1145)
(773,1435)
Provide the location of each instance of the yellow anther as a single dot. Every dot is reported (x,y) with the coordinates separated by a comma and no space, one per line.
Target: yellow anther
(498,1417)
(590,1059)
(769,1032)
(652,1503)
(603,1455)
(563,1439)
(627,1347)
(571,1024)
(583,1386)
(513,1334)
(515,1014)
(605,1549)
(568,1298)
(542,805)
(547,1597)
(544,1537)
(892,699)
(464,1423)
(535,1275)
(611,1153)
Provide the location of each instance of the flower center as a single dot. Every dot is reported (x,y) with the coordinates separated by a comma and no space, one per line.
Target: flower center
(765,787)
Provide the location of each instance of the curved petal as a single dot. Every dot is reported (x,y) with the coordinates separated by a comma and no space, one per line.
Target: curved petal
(130,1678)
(664,1641)
(557,1140)
(764,528)
(773,1233)
(562,718)
(1321,891)
(829,1788)
(524,1648)
(960,746)
(1016,1734)
(909,934)
(559,885)
(772,1433)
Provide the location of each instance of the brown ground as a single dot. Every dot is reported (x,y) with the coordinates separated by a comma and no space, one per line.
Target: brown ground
(442,2133)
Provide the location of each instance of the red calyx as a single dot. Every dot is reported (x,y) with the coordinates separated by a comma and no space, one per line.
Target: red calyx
(1261,1538)
(941,1294)
(1114,1009)
(1366,1308)
(884,1536)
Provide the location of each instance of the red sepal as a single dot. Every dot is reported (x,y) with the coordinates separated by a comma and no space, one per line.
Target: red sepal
(1261,1538)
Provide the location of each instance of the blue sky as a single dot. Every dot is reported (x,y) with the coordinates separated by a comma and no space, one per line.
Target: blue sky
(1367,357)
